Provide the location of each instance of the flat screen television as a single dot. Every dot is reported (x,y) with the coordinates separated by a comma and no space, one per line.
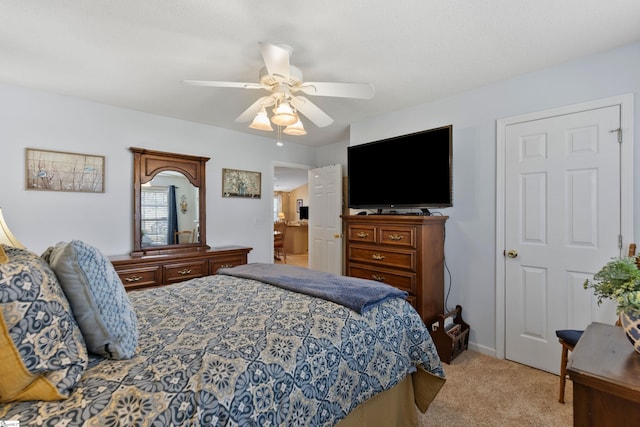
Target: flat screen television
(304,212)
(412,171)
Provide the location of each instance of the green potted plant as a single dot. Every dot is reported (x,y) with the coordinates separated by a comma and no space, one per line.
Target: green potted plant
(619,280)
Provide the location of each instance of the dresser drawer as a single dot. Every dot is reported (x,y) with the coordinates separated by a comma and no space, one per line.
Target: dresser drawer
(361,233)
(178,272)
(225,262)
(379,256)
(140,277)
(398,236)
(401,280)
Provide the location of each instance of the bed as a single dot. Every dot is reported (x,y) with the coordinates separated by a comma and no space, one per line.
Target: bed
(223,350)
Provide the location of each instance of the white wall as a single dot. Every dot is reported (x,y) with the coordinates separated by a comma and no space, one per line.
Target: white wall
(35,119)
(470,246)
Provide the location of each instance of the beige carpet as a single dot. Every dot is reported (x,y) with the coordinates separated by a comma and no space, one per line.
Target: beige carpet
(485,391)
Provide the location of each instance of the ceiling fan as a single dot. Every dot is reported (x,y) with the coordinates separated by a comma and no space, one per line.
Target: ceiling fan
(285,82)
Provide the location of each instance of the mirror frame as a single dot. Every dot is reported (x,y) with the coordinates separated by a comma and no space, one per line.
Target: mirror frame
(146,165)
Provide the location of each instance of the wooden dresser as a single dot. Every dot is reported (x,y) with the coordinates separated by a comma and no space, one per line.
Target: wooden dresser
(605,371)
(155,270)
(405,251)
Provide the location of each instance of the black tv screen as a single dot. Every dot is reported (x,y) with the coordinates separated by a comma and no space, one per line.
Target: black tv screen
(408,171)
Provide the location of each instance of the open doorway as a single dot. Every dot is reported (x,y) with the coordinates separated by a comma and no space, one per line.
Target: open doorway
(290,205)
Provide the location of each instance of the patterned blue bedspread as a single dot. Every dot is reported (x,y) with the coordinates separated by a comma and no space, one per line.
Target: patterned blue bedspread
(228,351)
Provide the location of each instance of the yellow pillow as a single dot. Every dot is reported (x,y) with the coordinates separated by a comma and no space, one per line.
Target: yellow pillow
(17,382)
(29,369)
(3,257)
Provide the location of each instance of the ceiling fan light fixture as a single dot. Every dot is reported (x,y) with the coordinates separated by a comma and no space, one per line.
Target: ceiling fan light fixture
(261,121)
(283,104)
(296,129)
(283,115)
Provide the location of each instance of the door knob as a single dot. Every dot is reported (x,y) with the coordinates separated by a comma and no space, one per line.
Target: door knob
(512,253)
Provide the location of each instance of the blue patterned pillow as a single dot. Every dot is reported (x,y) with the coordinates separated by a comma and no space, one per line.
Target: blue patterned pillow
(42,351)
(98,299)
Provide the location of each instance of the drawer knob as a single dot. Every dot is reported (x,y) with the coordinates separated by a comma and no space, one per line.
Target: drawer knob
(133,279)
(226,266)
(184,272)
(377,257)
(362,235)
(377,278)
(395,237)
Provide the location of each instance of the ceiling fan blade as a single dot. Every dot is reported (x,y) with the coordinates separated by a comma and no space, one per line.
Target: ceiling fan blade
(210,83)
(341,90)
(311,111)
(276,58)
(250,112)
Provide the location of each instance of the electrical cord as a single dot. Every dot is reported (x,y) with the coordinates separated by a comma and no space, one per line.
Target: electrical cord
(446,267)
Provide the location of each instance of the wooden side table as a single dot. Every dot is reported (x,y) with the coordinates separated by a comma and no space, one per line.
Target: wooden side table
(605,371)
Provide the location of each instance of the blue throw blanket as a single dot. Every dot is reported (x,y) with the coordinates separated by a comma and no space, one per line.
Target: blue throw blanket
(356,294)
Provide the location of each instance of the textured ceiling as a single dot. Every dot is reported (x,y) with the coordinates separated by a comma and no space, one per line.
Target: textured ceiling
(135,53)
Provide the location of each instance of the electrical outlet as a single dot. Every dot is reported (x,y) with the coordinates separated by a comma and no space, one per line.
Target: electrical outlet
(434,326)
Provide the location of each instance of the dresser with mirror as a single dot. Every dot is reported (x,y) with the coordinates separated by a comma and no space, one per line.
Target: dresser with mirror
(169,223)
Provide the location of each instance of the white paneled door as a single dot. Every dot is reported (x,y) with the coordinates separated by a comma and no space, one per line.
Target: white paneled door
(562,222)
(325,224)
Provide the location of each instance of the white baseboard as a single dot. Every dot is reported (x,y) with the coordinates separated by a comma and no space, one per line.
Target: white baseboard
(482,349)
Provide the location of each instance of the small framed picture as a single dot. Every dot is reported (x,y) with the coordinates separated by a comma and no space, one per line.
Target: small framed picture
(239,183)
(298,205)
